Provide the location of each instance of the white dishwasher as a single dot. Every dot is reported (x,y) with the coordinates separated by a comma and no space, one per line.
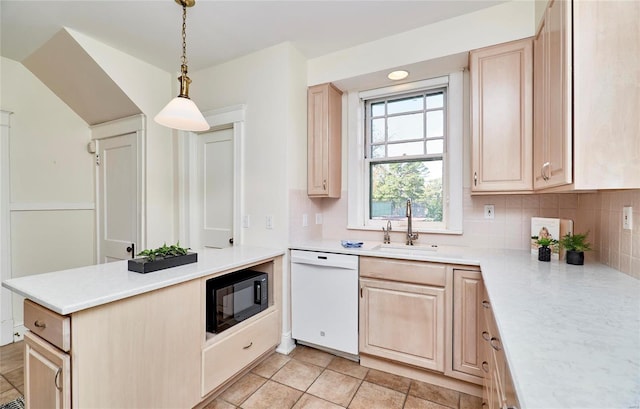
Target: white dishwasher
(324,300)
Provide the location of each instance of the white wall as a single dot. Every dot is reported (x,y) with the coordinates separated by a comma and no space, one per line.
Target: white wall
(271,84)
(50,170)
(504,22)
(150,89)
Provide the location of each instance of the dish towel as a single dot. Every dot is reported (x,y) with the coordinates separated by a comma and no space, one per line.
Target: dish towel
(351,244)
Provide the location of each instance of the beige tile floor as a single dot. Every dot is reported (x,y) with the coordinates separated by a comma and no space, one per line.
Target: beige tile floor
(11,374)
(313,379)
(307,378)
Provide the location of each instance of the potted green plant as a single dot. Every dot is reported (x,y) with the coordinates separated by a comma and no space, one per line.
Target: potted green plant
(576,245)
(161,258)
(544,251)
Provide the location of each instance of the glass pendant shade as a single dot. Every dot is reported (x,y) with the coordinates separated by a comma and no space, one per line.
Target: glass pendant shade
(182,113)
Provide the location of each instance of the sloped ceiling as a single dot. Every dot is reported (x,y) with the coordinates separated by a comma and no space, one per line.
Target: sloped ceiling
(66,68)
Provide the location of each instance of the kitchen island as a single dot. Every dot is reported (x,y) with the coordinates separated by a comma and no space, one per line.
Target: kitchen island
(102,336)
(571,334)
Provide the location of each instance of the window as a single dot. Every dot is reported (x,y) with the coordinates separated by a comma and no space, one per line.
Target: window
(407,144)
(405,139)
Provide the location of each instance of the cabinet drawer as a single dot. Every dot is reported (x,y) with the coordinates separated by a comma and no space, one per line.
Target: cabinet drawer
(48,325)
(403,270)
(224,359)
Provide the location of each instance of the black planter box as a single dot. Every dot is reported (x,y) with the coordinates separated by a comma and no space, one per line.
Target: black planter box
(141,265)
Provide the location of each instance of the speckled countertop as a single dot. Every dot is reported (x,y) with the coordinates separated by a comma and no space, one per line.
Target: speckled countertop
(68,291)
(571,334)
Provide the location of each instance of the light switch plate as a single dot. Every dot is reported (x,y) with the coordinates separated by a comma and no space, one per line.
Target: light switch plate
(318,218)
(627,218)
(246,221)
(489,211)
(269,222)
(305,220)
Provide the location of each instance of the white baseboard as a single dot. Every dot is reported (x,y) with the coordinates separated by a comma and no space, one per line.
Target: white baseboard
(10,332)
(6,332)
(18,332)
(287,344)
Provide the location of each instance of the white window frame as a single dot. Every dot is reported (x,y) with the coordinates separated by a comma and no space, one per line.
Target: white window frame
(358,192)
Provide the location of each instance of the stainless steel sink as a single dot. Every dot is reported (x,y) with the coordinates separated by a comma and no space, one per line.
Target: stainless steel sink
(404,249)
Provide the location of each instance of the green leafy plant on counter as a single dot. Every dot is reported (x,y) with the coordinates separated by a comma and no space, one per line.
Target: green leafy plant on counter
(575,242)
(164,252)
(544,241)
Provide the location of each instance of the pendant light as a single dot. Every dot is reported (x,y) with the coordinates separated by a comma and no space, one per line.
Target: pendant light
(181,112)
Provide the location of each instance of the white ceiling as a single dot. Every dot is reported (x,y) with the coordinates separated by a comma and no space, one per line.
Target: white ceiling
(218,30)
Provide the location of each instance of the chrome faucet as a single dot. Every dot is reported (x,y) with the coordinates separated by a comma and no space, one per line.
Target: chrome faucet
(387,238)
(411,236)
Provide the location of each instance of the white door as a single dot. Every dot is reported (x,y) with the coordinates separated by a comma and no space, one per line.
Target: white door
(117,197)
(215,186)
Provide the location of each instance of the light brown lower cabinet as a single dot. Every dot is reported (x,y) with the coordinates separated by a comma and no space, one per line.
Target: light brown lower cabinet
(498,388)
(149,350)
(47,374)
(403,322)
(421,319)
(468,290)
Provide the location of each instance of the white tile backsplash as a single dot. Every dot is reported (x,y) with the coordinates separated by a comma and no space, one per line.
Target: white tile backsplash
(599,213)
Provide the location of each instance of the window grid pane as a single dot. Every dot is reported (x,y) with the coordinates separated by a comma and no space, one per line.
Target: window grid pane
(406,140)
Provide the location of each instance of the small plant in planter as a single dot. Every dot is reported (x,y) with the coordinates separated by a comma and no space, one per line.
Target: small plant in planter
(544,251)
(161,258)
(576,245)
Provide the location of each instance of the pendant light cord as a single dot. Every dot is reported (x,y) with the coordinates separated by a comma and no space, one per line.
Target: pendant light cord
(184,34)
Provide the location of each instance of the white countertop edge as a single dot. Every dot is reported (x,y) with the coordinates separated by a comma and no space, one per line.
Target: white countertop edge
(61,291)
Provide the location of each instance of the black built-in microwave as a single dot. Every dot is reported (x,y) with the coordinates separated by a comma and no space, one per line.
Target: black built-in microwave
(234,297)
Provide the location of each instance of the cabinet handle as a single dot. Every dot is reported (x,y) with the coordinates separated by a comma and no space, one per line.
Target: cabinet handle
(360,292)
(495,343)
(55,380)
(324,184)
(486,304)
(485,366)
(475,178)
(40,324)
(544,175)
(248,346)
(485,335)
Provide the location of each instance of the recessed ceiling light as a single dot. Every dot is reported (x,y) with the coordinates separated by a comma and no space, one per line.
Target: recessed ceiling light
(398,75)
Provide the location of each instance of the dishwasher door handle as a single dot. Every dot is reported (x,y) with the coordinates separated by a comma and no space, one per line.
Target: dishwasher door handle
(324,263)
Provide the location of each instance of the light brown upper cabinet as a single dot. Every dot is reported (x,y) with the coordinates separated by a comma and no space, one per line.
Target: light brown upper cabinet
(552,146)
(501,117)
(324,139)
(587,96)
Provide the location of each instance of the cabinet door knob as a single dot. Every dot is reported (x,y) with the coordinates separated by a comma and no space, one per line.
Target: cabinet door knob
(485,335)
(40,324)
(495,343)
(486,304)
(475,178)
(324,184)
(485,366)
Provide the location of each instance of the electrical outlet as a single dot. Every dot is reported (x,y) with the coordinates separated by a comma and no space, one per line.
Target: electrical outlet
(489,211)
(318,218)
(627,218)
(246,221)
(305,220)
(269,222)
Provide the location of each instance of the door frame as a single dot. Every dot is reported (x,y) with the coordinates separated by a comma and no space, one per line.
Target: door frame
(133,124)
(6,306)
(188,205)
